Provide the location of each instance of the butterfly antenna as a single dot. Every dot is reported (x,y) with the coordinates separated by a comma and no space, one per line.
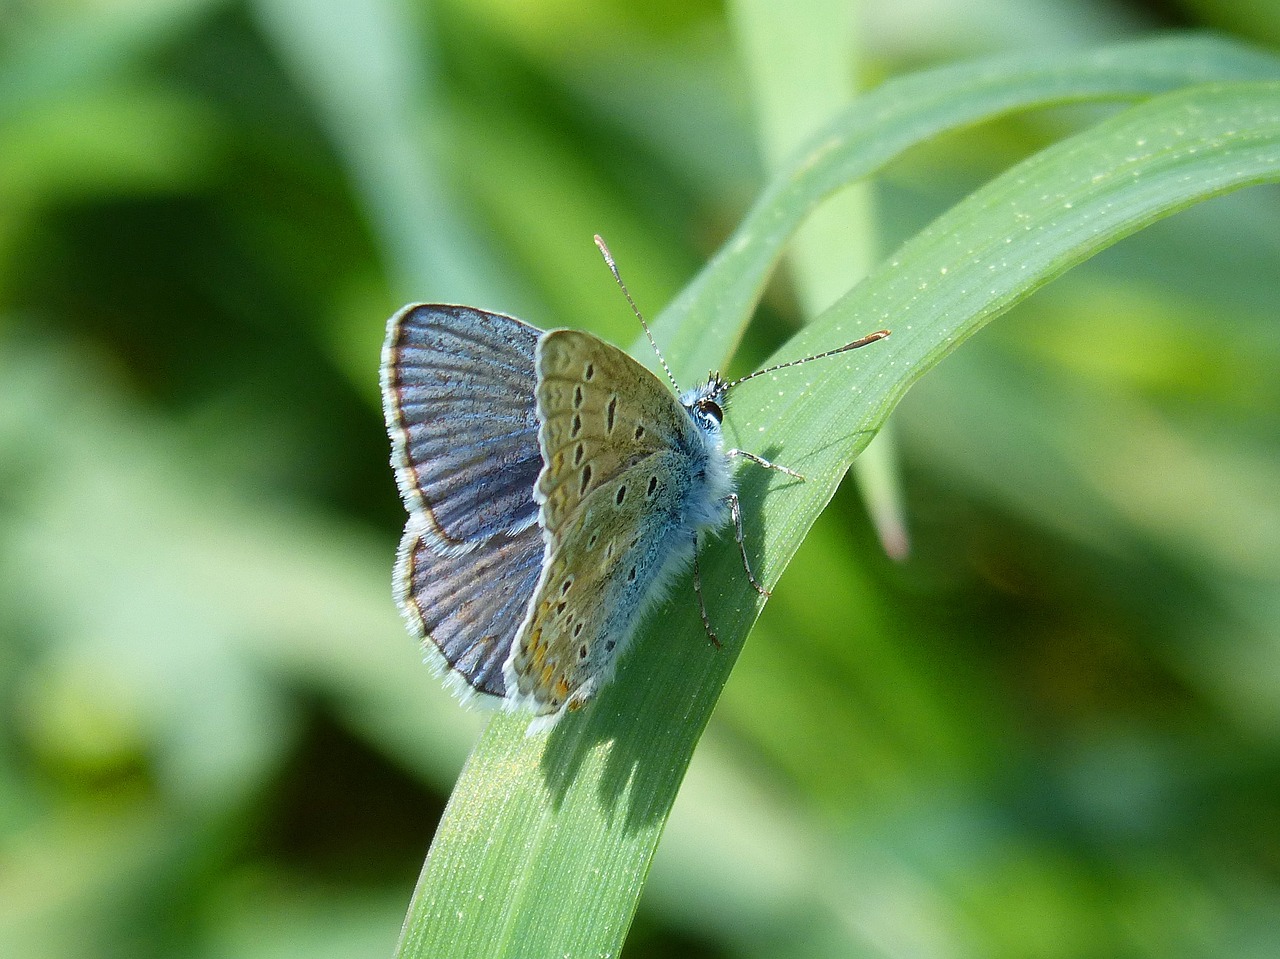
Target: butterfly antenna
(869,338)
(613,268)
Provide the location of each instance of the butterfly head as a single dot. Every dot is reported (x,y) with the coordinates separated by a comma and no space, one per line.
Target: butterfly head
(705,403)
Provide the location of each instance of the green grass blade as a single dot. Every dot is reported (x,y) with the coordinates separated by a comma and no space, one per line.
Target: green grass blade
(60,57)
(367,69)
(801,58)
(705,322)
(546,842)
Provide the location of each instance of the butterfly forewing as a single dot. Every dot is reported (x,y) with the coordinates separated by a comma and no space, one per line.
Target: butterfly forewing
(609,556)
(601,413)
(458,391)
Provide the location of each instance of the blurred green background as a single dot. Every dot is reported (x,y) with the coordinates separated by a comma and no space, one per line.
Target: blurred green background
(1052,731)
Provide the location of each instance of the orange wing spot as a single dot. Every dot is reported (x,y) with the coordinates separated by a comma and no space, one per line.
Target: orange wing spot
(562,688)
(547,670)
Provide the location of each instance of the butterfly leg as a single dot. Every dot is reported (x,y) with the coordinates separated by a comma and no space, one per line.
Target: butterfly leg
(702,603)
(761,461)
(736,510)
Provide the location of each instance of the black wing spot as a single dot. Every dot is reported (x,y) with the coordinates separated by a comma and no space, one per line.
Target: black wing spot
(577,628)
(560,606)
(639,431)
(631,575)
(577,397)
(582,650)
(622,494)
(564,587)
(610,413)
(586,479)
(591,543)
(589,373)
(577,455)
(577,425)
(653,485)
(608,647)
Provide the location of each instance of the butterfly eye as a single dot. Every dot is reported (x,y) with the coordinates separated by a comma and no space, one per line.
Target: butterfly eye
(711,409)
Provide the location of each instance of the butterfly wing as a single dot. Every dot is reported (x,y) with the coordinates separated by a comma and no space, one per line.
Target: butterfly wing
(458,390)
(619,454)
(468,606)
(600,413)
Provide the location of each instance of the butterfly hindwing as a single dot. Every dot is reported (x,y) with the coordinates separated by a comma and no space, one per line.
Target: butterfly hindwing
(467,607)
(607,561)
(458,390)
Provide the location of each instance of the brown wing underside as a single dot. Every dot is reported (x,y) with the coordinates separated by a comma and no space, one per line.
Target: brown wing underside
(613,439)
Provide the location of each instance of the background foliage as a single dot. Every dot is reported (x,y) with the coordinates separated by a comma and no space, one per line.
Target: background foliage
(1051,731)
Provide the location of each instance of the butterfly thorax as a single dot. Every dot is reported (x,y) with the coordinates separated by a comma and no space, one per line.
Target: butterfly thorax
(714,479)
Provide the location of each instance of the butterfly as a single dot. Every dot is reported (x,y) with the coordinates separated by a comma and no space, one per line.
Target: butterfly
(554,486)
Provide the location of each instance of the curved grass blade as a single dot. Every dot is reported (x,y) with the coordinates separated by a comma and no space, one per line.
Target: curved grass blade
(367,69)
(801,58)
(546,842)
(703,325)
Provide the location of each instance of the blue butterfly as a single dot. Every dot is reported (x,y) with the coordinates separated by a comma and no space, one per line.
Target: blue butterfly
(553,486)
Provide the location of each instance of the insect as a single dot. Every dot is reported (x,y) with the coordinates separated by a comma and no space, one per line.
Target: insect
(554,486)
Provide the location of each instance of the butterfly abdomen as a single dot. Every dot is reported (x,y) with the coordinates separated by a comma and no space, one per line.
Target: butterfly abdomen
(685,492)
